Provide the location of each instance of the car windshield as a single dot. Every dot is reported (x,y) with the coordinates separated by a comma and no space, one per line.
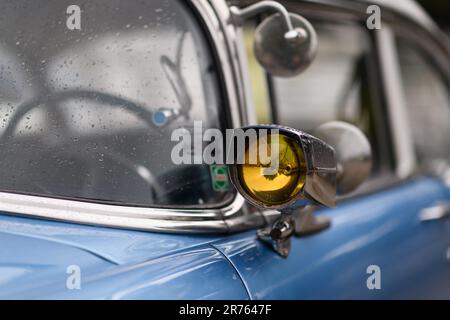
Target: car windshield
(90,95)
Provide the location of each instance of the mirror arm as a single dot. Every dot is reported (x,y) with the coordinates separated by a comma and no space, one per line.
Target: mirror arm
(278,234)
(239,15)
(260,7)
(299,222)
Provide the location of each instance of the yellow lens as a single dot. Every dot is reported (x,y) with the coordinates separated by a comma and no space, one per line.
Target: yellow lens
(285,182)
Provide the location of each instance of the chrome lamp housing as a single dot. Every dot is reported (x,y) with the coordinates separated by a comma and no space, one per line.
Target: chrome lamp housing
(319,175)
(308,173)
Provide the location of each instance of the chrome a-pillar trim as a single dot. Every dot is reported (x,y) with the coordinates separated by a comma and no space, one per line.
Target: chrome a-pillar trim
(230,218)
(233,44)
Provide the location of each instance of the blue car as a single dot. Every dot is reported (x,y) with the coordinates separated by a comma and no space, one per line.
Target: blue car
(98,97)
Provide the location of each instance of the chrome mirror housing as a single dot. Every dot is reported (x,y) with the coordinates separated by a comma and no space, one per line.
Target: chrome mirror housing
(353,153)
(285,44)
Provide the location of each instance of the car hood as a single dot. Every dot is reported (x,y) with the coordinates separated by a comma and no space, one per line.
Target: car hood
(36,258)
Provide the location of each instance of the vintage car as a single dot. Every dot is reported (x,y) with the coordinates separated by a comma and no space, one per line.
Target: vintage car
(93,206)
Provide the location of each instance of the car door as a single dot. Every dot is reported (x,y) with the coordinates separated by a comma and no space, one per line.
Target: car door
(425,77)
(377,245)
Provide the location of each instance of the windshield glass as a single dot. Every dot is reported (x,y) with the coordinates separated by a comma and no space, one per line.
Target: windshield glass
(90,95)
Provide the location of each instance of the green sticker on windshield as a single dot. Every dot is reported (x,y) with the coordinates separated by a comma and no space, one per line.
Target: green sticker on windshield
(219,177)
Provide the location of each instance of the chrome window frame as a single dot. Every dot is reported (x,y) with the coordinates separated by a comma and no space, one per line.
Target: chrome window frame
(424,33)
(215,18)
(411,20)
(393,17)
(355,11)
(400,128)
(435,44)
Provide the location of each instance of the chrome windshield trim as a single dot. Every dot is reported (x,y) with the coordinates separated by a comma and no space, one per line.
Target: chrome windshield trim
(232,217)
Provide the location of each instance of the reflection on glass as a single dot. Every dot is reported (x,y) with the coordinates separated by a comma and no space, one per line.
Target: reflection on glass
(77,106)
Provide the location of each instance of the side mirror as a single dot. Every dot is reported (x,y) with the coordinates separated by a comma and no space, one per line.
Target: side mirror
(281,53)
(353,153)
(285,43)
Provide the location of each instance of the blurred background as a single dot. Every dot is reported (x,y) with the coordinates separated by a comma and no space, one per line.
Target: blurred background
(439,10)
(342,84)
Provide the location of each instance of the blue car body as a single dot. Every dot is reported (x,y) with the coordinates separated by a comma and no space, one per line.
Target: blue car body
(381,228)
(120,264)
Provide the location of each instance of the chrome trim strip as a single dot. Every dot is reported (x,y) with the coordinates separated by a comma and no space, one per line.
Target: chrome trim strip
(18,203)
(232,44)
(398,115)
(119,216)
(232,217)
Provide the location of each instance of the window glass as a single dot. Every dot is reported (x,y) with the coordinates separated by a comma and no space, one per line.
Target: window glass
(428,102)
(78,108)
(338,85)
